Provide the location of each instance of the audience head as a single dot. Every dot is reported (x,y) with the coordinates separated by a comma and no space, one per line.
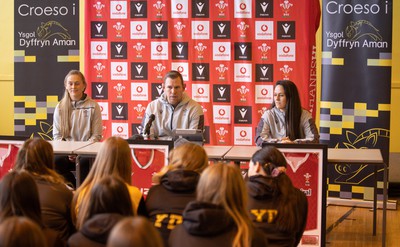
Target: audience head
(270,160)
(19,197)
(223,185)
(21,231)
(287,99)
(36,156)
(188,156)
(110,195)
(134,231)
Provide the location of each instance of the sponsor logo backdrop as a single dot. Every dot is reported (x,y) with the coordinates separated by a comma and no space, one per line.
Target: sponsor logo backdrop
(230,54)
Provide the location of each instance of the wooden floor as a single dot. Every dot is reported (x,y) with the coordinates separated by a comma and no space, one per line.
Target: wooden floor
(352,226)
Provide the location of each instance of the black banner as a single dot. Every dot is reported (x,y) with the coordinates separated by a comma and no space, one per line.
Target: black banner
(356,80)
(46,47)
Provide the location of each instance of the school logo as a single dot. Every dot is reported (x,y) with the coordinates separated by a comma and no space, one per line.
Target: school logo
(200,72)
(138,9)
(98,29)
(100,90)
(264,8)
(264,72)
(119,111)
(286,30)
(119,50)
(221,29)
(200,8)
(159,29)
(243,51)
(139,71)
(222,93)
(179,50)
(243,115)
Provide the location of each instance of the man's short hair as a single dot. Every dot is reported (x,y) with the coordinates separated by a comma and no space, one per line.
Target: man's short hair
(173,74)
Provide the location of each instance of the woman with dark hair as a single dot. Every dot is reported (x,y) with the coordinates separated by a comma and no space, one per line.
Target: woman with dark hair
(19,197)
(286,121)
(109,203)
(36,157)
(175,186)
(77,117)
(271,190)
(218,217)
(17,231)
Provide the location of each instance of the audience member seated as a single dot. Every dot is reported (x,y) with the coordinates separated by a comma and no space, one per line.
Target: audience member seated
(218,217)
(36,157)
(275,206)
(19,196)
(134,231)
(175,186)
(109,203)
(18,231)
(114,158)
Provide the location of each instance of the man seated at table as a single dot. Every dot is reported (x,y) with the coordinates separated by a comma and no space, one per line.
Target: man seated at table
(174,109)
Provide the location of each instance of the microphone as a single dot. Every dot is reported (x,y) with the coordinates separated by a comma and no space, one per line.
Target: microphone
(148,125)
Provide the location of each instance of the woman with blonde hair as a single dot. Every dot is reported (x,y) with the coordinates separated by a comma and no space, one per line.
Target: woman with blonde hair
(114,158)
(218,217)
(36,157)
(134,231)
(77,117)
(175,186)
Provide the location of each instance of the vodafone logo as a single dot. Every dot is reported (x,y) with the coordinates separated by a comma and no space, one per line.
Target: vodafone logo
(139,89)
(243,70)
(179,6)
(200,90)
(139,28)
(101,108)
(286,49)
(120,129)
(221,112)
(264,28)
(242,6)
(243,133)
(221,49)
(119,68)
(200,28)
(118,7)
(99,48)
(180,69)
(264,92)
(159,48)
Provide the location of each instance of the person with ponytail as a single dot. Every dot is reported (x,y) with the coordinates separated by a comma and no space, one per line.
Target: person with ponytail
(275,205)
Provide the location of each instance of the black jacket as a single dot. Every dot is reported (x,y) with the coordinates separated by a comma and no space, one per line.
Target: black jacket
(95,231)
(209,225)
(167,200)
(264,195)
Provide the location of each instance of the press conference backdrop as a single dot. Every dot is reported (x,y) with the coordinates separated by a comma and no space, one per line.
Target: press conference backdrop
(230,54)
(46,47)
(356,80)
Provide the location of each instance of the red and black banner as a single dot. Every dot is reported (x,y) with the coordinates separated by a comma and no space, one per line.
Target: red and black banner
(230,53)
